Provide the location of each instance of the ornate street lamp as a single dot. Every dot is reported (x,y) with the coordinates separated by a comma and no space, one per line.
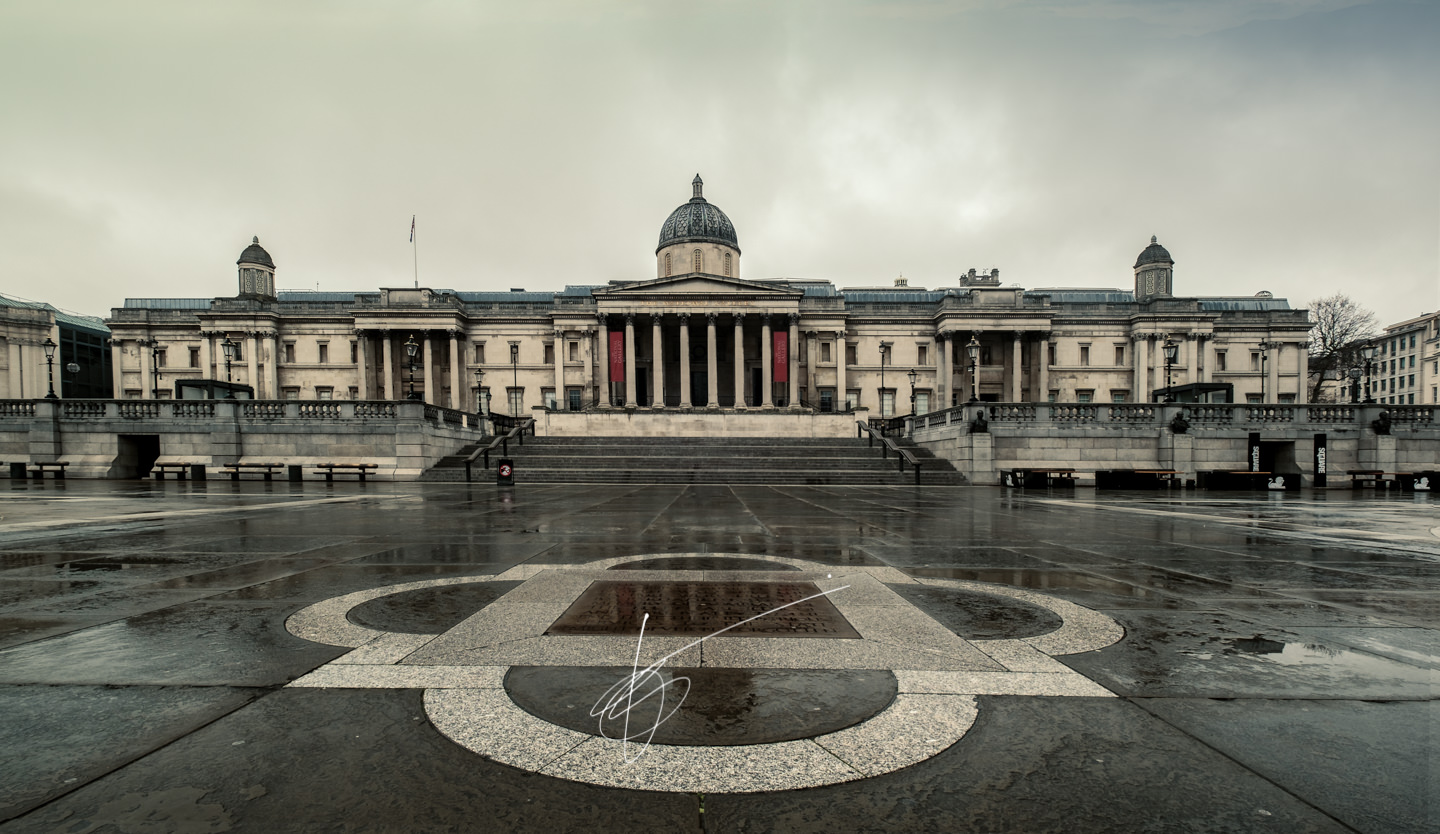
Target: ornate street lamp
(155,368)
(973,348)
(230,349)
(1354,383)
(72,368)
(1171,351)
(1369,353)
(884,354)
(912,374)
(412,347)
(479,389)
(49,345)
(514,374)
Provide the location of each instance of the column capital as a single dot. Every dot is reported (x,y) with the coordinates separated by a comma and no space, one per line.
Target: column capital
(710,319)
(602,319)
(629,319)
(1018,335)
(655,318)
(684,319)
(1139,337)
(794,319)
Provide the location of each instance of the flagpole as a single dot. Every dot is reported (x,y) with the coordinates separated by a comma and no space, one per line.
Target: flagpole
(415,251)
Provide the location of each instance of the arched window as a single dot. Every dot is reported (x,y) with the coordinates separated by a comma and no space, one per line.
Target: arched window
(697,261)
(667,264)
(727,264)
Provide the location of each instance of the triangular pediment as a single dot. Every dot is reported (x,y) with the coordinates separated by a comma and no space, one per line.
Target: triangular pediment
(697,284)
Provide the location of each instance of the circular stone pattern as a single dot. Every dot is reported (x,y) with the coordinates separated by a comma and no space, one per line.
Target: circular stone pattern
(427,610)
(724,707)
(702,563)
(977,616)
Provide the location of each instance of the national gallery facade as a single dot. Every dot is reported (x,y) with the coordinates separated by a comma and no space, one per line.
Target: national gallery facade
(700,336)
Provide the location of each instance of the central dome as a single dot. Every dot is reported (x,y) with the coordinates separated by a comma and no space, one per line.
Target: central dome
(697,221)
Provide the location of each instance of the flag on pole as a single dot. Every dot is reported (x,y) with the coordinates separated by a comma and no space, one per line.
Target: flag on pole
(412,228)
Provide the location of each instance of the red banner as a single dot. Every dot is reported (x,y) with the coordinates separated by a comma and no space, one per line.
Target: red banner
(782,356)
(617,357)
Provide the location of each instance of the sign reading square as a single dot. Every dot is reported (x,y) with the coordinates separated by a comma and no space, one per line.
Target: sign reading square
(697,609)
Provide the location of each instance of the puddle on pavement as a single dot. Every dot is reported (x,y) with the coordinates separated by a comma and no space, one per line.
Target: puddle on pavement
(1312,654)
(1042,580)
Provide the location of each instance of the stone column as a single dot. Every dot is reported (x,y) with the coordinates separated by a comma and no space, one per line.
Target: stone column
(362,364)
(1017,347)
(712,364)
(147,371)
(559,339)
(841,391)
(739,360)
(1141,386)
(1192,358)
(812,382)
(1209,372)
(117,378)
(684,360)
(792,357)
(1044,365)
(16,381)
(387,377)
(942,378)
(766,345)
(604,369)
(427,355)
(630,360)
(1157,359)
(207,345)
(657,362)
(457,369)
(272,340)
(1272,382)
(252,359)
(1302,395)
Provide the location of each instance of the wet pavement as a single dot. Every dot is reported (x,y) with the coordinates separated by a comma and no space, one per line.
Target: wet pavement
(275,657)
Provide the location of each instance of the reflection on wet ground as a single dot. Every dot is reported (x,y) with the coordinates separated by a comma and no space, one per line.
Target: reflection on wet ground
(1248,621)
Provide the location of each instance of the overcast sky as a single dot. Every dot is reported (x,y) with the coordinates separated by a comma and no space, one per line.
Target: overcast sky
(1281,145)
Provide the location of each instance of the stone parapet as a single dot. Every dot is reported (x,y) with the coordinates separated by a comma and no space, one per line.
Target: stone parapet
(698,423)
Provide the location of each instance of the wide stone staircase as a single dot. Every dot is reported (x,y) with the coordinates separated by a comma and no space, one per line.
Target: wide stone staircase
(700,460)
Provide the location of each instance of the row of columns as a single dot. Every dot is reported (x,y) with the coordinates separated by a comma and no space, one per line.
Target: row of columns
(657,352)
(394,358)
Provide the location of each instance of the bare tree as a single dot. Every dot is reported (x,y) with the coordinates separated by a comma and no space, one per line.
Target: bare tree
(1338,328)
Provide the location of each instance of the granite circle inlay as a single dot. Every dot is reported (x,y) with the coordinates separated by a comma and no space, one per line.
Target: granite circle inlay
(980,616)
(723,707)
(703,563)
(769,712)
(696,609)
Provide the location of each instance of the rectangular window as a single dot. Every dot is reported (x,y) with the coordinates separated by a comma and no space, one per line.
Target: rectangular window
(160,358)
(1382,385)
(1053,396)
(289,351)
(1084,396)
(354,355)
(1412,341)
(1254,361)
(1084,354)
(924,355)
(1119,396)
(547,396)
(354,393)
(324,353)
(922,402)
(1412,400)
(1219,360)
(194,357)
(1412,361)
(887,403)
(1050,354)
(292,393)
(324,392)
(1252,399)
(827,400)
(1412,380)
(516,399)
(549,355)
(482,400)
(574,352)
(479,353)
(984,356)
(852,399)
(572,398)
(1119,354)
(824,351)
(850,355)
(1287,399)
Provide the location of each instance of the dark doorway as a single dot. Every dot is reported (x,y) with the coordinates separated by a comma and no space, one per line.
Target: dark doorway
(1278,456)
(137,453)
(757,384)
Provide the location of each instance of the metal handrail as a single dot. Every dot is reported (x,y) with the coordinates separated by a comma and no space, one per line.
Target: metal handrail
(888,445)
(503,441)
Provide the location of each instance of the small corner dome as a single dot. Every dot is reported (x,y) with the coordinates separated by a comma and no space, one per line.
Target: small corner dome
(256,254)
(1154,254)
(698,221)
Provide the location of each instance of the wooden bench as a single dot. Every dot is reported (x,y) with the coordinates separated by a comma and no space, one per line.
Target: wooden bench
(1359,478)
(38,469)
(179,470)
(235,470)
(330,470)
(1039,477)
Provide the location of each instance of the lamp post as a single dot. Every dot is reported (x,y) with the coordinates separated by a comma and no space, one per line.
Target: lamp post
(973,348)
(1369,353)
(155,368)
(884,354)
(1354,383)
(72,368)
(229,348)
(912,374)
(49,345)
(1171,351)
(480,390)
(412,347)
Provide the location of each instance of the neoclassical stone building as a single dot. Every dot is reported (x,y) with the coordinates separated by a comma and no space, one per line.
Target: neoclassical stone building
(699,336)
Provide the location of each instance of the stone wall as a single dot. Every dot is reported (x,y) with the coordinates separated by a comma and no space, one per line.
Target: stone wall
(675,423)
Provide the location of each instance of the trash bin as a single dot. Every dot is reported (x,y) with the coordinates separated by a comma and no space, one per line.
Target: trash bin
(295,472)
(505,473)
(197,471)
(17,471)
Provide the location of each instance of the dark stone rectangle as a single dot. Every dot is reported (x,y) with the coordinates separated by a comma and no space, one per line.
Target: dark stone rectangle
(695,609)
